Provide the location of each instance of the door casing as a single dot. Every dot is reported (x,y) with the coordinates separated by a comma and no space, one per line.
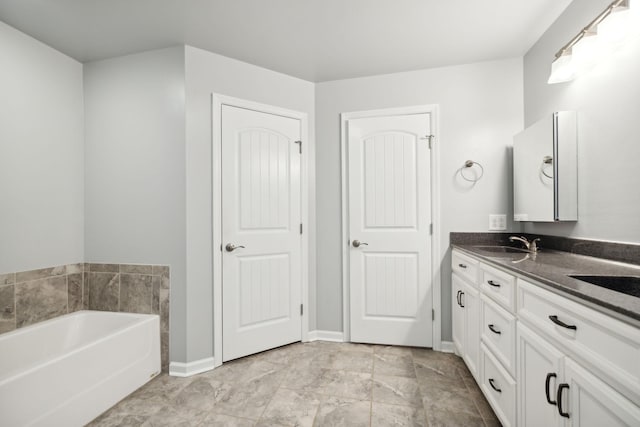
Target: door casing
(432,110)
(217,102)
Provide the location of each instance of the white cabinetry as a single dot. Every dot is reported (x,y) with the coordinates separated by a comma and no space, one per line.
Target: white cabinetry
(498,386)
(466,311)
(540,358)
(588,361)
(498,349)
(590,402)
(499,333)
(539,370)
(554,390)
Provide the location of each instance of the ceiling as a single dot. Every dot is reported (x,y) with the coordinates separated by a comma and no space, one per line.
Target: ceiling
(315,40)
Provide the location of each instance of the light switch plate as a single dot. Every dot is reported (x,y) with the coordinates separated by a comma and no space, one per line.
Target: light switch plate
(497,222)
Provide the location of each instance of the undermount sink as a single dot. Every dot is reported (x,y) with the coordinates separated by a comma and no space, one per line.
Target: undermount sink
(629,285)
(502,249)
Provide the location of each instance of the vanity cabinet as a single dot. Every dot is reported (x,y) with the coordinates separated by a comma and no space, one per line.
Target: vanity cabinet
(466,311)
(554,390)
(498,349)
(540,369)
(545,359)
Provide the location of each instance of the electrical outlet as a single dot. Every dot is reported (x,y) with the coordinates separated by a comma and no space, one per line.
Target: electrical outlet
(497,222)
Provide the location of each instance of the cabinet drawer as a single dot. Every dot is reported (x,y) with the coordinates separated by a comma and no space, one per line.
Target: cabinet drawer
(465,266)
(607,346)
(499,333)
(498,387)
(498,285)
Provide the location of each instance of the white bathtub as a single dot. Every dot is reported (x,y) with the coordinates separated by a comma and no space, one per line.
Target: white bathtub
(68,370)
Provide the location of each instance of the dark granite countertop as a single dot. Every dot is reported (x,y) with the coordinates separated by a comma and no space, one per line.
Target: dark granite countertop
(551,267)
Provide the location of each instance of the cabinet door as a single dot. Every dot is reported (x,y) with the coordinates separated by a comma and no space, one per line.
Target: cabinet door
(457,314)
(537,361)
(471,302)
(589,402)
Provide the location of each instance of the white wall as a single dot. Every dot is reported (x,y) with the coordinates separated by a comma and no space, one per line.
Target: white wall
(607,102)
(135,168)
(41,155)
(208,73)
(480,111)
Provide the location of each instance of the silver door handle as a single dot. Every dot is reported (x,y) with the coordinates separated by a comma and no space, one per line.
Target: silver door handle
(231,247)
(357,243)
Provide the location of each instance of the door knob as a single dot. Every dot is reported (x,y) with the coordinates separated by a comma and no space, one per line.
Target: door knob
(357,243)
(231,247)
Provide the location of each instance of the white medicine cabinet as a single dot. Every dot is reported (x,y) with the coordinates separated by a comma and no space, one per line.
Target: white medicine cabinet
(545,170)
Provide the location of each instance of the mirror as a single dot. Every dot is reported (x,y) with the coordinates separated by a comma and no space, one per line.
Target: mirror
(545,172)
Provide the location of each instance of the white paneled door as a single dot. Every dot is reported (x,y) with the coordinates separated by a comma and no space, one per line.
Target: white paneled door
(389,227)
(261,261)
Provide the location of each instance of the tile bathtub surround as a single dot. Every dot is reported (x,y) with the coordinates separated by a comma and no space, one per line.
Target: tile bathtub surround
(28,297)
(132,288)
(314,384)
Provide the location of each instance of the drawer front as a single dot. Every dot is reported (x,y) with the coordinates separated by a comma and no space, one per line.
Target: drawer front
(499,333)
(465,266)
(498,387)
(498,285)
(607,346)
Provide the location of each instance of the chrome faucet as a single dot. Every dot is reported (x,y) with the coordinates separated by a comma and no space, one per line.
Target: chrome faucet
(531,246)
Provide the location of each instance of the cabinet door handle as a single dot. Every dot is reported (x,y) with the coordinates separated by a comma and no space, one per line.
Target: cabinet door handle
(494,284)
(458,297)
(461,295)
(559,399)
(555,320)
(495,331)
(493,386)
(462,266)
(546,388)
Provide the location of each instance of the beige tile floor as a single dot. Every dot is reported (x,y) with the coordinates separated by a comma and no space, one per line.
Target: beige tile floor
(314,384)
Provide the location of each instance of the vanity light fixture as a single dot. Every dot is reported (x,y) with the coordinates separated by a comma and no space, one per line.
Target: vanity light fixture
(608,31)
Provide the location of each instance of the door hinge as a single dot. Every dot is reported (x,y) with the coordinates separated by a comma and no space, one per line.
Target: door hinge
(300,228)
(433,314)
(301,309)
(431,228)
(430,138)
(299,145)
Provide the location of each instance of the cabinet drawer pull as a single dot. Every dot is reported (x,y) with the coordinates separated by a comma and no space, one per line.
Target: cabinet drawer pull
(546,388)
(492,283)
(555,320)
(559,399)
(492,329)
(462,266)
(493,386)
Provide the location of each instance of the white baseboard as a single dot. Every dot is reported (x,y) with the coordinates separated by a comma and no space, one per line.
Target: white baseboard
(326,336)
(178,369)
(447,347)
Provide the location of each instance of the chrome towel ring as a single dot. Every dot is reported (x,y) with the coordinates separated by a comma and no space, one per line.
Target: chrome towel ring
(467,165)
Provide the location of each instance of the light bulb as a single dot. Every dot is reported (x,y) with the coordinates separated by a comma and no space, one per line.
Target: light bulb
(587,53)
(613,31)
(562,69)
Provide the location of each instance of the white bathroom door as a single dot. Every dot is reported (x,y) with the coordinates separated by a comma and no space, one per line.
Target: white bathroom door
(389,227)
(261,253)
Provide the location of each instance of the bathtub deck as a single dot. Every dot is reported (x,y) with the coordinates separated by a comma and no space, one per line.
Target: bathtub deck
(317,383)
